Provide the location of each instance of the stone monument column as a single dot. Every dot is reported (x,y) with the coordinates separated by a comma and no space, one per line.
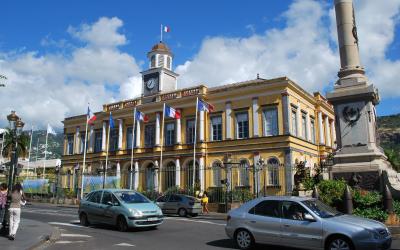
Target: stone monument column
(354,99)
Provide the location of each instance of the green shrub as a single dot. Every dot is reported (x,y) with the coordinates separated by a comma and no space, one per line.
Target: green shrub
(374,213)
(396,207)
(331,191)
(365,199)
(309,183)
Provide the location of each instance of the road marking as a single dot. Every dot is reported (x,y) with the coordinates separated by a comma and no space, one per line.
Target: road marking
(198,221)
(124,245)
(69,242)
(76,235)
(64,224)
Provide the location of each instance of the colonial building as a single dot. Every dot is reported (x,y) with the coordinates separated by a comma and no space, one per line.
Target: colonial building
(271,119)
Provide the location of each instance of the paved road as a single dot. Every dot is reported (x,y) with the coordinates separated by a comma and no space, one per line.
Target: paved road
(176,233)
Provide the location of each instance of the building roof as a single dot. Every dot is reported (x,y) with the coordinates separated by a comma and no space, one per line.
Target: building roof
(160,47)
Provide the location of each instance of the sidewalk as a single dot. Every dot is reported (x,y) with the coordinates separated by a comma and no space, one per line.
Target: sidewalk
(31,235)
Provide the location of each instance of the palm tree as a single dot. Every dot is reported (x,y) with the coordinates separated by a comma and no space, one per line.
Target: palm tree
(22,142)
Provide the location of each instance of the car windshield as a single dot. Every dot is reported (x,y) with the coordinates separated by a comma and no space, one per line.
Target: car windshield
(131,197)
(321,209)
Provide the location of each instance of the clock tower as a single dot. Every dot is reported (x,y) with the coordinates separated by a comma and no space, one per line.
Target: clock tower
(159,77)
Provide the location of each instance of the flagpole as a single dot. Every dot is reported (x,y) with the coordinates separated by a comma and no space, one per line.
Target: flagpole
(161,153)
(45,151)
(194,144)
(133,138)
(107,148)
(29,154)
(37,152)
(84,155)
(161,31)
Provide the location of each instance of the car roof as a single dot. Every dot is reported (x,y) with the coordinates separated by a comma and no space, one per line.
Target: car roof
(284,198)
(112,190)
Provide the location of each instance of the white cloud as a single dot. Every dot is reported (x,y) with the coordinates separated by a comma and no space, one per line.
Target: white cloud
(302,50)
(47,88)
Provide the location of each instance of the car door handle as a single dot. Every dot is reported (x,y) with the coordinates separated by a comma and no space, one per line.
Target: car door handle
(286,225)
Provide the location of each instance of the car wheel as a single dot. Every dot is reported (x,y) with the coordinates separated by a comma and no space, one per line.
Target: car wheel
(182,212)
(83,219)
(244,239)
(121,224)
(339,243)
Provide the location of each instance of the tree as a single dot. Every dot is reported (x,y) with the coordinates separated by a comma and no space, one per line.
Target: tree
(22,142)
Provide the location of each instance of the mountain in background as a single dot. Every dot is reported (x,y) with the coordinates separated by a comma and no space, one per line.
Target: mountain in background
(389,132)
(55,144)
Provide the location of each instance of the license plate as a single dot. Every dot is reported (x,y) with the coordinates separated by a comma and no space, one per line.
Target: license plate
(152,219)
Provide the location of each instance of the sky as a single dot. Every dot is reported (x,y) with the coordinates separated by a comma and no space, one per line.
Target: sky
(60,55)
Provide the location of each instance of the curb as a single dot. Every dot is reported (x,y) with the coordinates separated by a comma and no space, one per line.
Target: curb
(54,236)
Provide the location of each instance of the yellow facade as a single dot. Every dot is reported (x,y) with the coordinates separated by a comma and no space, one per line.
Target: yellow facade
(291,140)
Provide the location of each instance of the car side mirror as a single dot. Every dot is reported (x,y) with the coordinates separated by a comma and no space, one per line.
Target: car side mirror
(110,203)
(309,217)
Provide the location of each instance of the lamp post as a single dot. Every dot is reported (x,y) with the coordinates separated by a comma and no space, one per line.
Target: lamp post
(16,126)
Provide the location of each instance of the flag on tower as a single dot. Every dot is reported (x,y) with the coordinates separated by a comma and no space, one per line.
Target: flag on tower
(171,112)
(140,116)
(205,106)
(167,29)
(90,116)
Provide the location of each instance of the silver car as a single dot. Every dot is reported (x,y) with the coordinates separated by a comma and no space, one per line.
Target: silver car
(303,223)
(179,204)
(119,207)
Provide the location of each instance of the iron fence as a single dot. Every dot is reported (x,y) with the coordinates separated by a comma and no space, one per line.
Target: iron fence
(235,183)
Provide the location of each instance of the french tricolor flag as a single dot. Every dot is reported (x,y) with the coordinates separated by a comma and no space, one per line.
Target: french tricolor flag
(141,116)
(167,29)
(90,116)
(171,112)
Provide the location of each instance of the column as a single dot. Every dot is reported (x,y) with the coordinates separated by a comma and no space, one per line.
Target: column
(137,143)
(158,117)
(308,129)
(104,137)
(256,172)
(201,173)
(328,132)
(321,129)
(91,139)
(333,133)
(120,133)
(228,121)
(118,174)
(178,133)
(298,123)
(286,113)
(136,176)
(156,173)
(255,117)
(288,171)
(77,140)
(201,125)
(177,172)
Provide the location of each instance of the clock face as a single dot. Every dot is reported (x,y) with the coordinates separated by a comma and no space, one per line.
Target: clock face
(151,83)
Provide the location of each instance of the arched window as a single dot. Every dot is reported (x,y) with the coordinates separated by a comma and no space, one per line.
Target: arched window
(189,174)
(216,173)
(169,175)
(244,169)
(153,61)
(273,171)
(168,62)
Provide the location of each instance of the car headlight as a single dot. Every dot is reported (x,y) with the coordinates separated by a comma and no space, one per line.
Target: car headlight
(159,211)
(136,213)
(376,235)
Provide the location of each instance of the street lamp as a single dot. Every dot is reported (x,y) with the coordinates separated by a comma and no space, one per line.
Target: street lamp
(16,126)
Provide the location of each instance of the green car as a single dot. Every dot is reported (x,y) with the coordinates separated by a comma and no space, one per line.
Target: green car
(120,207)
